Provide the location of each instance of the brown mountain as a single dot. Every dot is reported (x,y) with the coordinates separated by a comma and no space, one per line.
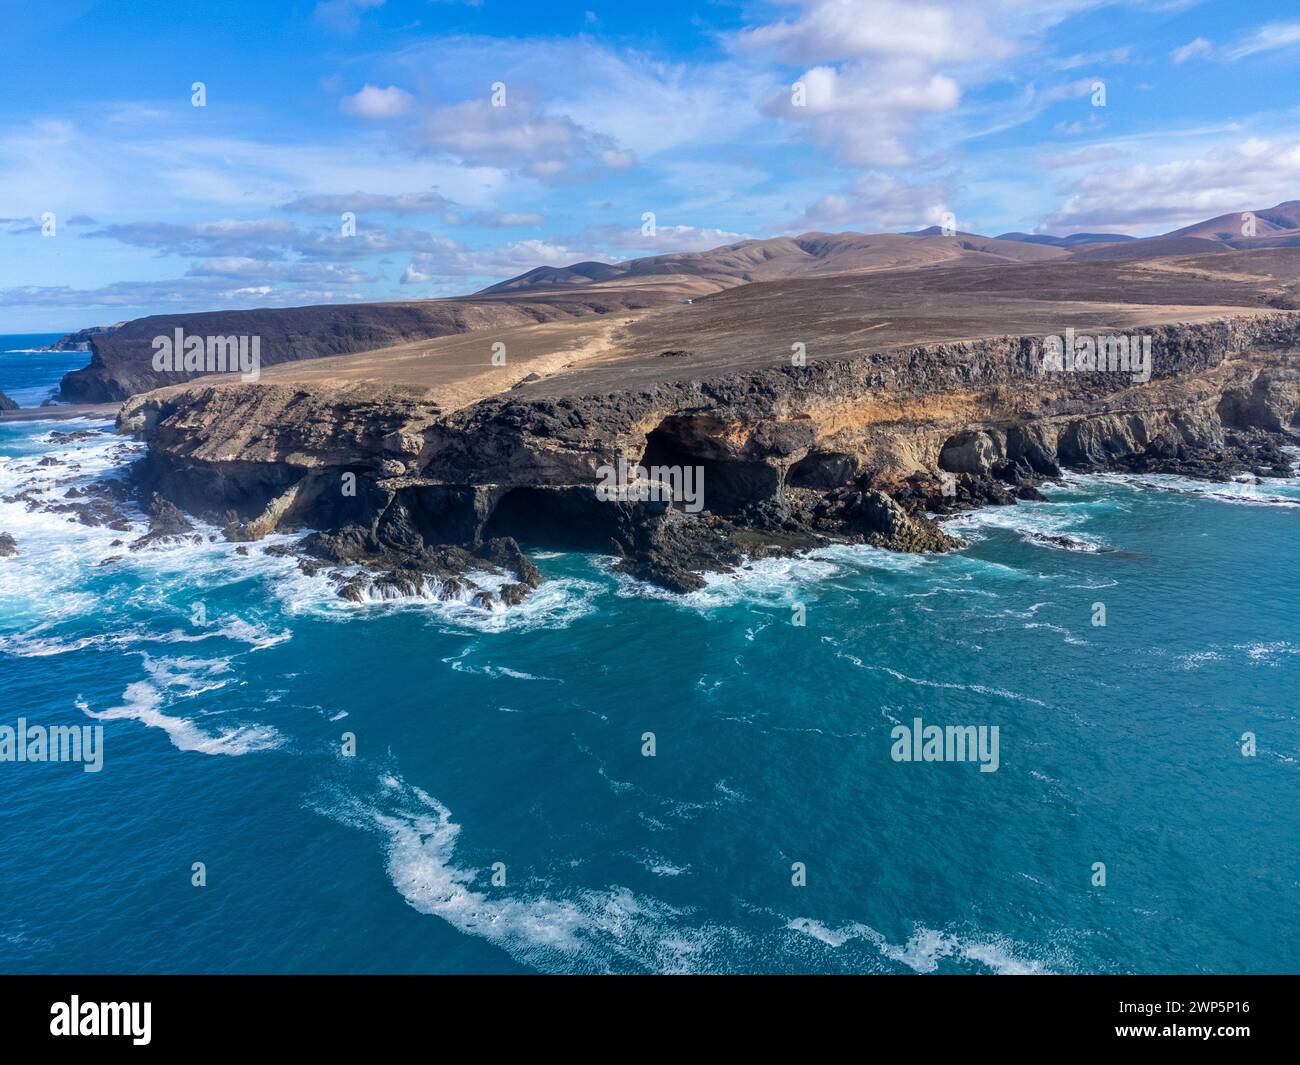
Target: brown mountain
(1282,221)
(825,254)
(777,258)
(121,357)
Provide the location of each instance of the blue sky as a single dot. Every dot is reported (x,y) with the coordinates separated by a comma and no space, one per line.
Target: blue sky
(383,109)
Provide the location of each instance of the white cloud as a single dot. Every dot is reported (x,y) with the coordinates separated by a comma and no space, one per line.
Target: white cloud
(42,168)
(1088,59)
(636,102)
(1268,38)
(517,257)
(664,239)
(1194,48)
(874,70)
(518,137)
(876,202)
(377,104)
(254,237)
(861,112)
(1250,175)
(879,29)
(1069,90)
(507,219)
(261,271)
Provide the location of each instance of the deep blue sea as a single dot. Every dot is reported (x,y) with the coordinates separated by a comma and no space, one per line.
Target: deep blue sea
(515,736)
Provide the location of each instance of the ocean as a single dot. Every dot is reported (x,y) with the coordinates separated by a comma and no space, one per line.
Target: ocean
(500,814)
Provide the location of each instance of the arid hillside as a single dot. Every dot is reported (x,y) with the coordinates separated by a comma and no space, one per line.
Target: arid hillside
(741,305)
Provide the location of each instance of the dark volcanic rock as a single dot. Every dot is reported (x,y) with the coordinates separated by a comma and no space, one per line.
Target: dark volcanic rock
(166,524)
(102,503)
(675,549)
(884,523)
(60,437)
(864,449)
(8,545)
(6,403)
(411,570)
(1063,543)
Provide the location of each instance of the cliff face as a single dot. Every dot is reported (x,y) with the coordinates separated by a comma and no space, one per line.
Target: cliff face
(121,363)
(854,448)
(80,340)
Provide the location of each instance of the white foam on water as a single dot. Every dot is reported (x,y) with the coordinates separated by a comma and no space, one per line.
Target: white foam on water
(66,571)
(729,793)
(555,604)
(143,702)
(46,576)
(1066,635)
(58,556)
(769,581)
(779,582)
(187,676)
(980,689)
(926,948)
(1196,659)
(31,645)
(1271,492)
(172,679)
(1268,654)
(41,642)
(1030,521)
(584,930)
(460,665)
(662,868)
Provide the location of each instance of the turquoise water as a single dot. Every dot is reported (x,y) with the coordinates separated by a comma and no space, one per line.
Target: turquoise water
(516,737)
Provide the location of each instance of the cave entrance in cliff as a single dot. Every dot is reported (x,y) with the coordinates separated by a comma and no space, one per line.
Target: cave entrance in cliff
(557,519)
(822,470)
(729,485)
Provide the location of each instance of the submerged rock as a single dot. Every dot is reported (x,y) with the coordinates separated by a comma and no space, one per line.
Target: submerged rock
(442,572)
(1063,543)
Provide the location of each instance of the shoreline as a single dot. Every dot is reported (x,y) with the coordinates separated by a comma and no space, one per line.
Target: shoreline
(789,459)
(394,493)
(62,412)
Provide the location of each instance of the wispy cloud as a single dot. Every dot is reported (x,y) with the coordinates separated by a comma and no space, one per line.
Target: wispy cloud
(343,16)
(1197,47)
(1271,38)
(412,203)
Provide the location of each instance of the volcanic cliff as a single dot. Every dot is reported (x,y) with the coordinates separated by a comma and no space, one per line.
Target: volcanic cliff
(857,448)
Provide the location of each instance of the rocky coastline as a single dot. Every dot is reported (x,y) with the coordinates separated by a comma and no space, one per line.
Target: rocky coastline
(403,499)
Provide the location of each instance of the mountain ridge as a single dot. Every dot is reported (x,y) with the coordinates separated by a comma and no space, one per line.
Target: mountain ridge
(819,253)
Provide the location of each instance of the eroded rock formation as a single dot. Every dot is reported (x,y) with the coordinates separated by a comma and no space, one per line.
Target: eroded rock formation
(858,448)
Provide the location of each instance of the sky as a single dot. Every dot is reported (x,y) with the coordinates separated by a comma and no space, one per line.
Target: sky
(163,157)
